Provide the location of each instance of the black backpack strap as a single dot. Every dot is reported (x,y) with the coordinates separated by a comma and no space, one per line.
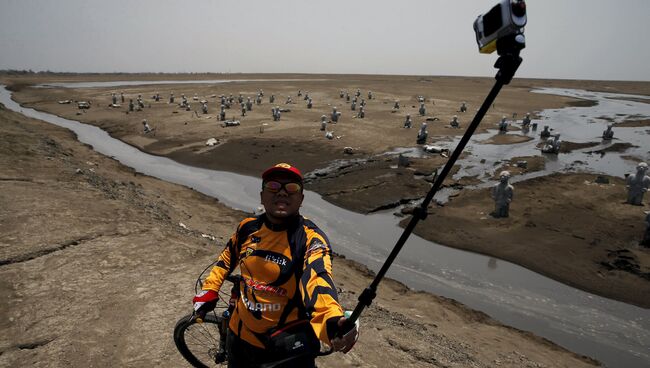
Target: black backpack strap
(298,243)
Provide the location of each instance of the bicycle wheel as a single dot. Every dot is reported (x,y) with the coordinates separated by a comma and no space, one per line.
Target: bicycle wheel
(201,344)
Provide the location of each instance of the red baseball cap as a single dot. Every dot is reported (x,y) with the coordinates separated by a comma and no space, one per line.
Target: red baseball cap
(282,167)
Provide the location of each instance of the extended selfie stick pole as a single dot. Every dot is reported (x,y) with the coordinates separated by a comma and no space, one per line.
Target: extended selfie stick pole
(507,64)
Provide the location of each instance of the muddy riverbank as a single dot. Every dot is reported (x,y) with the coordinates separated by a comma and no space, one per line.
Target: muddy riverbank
(366,180)
(96,269)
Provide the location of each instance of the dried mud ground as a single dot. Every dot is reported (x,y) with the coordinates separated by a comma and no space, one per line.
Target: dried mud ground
(95,270)
(582,235)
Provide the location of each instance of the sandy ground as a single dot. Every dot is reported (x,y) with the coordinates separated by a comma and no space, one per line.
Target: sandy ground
(366,181)
(95,270)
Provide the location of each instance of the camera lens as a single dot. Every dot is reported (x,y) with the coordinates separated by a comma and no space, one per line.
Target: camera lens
(519,8)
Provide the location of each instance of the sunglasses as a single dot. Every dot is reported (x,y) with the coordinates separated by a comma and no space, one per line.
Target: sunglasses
(274,187)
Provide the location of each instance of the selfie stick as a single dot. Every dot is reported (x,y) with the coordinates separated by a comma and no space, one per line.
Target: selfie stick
(507,63)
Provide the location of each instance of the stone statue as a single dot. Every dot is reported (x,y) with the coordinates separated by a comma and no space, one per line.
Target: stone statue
(204,107)
(608,134)
(329,135)
(370,95)
(454,122)
(637,184)
(353,105)
(249,104)
(545,133)
(341,94)
(362,113)
(422,110)
(146,127)
(289,100)
(396,106)
(502,195)
(131,105)
(276,113)
(243,109)
(114,98)
(503,124)
(323,123)
(222,113)
(525,123)
(463,107)
(335,115)
(422,134)
(552,145)
(408,122)
(309,103)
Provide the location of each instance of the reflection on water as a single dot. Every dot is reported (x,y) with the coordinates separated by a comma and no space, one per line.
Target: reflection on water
(613,332)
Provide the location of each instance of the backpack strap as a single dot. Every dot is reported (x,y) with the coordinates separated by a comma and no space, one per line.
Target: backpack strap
(298,243)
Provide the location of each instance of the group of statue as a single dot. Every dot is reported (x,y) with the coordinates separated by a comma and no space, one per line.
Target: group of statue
(637,185)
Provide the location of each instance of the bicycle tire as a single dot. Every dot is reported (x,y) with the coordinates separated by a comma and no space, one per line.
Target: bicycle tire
(198,343)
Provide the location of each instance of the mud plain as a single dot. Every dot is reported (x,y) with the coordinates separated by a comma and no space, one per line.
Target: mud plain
(570,247)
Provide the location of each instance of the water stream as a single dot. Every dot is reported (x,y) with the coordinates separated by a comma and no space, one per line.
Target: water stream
(616,333)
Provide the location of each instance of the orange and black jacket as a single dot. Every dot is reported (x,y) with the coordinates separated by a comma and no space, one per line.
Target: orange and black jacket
(286,276)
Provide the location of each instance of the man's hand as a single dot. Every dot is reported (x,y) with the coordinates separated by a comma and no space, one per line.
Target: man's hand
(205,301)
(345,342)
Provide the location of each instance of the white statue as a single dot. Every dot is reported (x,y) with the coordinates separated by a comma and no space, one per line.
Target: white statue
(146,127)
(552,145)
(276,113)
(323,123)
(637,184)
(422,134)
(502,195)
(335,115)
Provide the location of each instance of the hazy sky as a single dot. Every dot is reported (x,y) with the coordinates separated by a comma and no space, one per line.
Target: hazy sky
(576,39)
